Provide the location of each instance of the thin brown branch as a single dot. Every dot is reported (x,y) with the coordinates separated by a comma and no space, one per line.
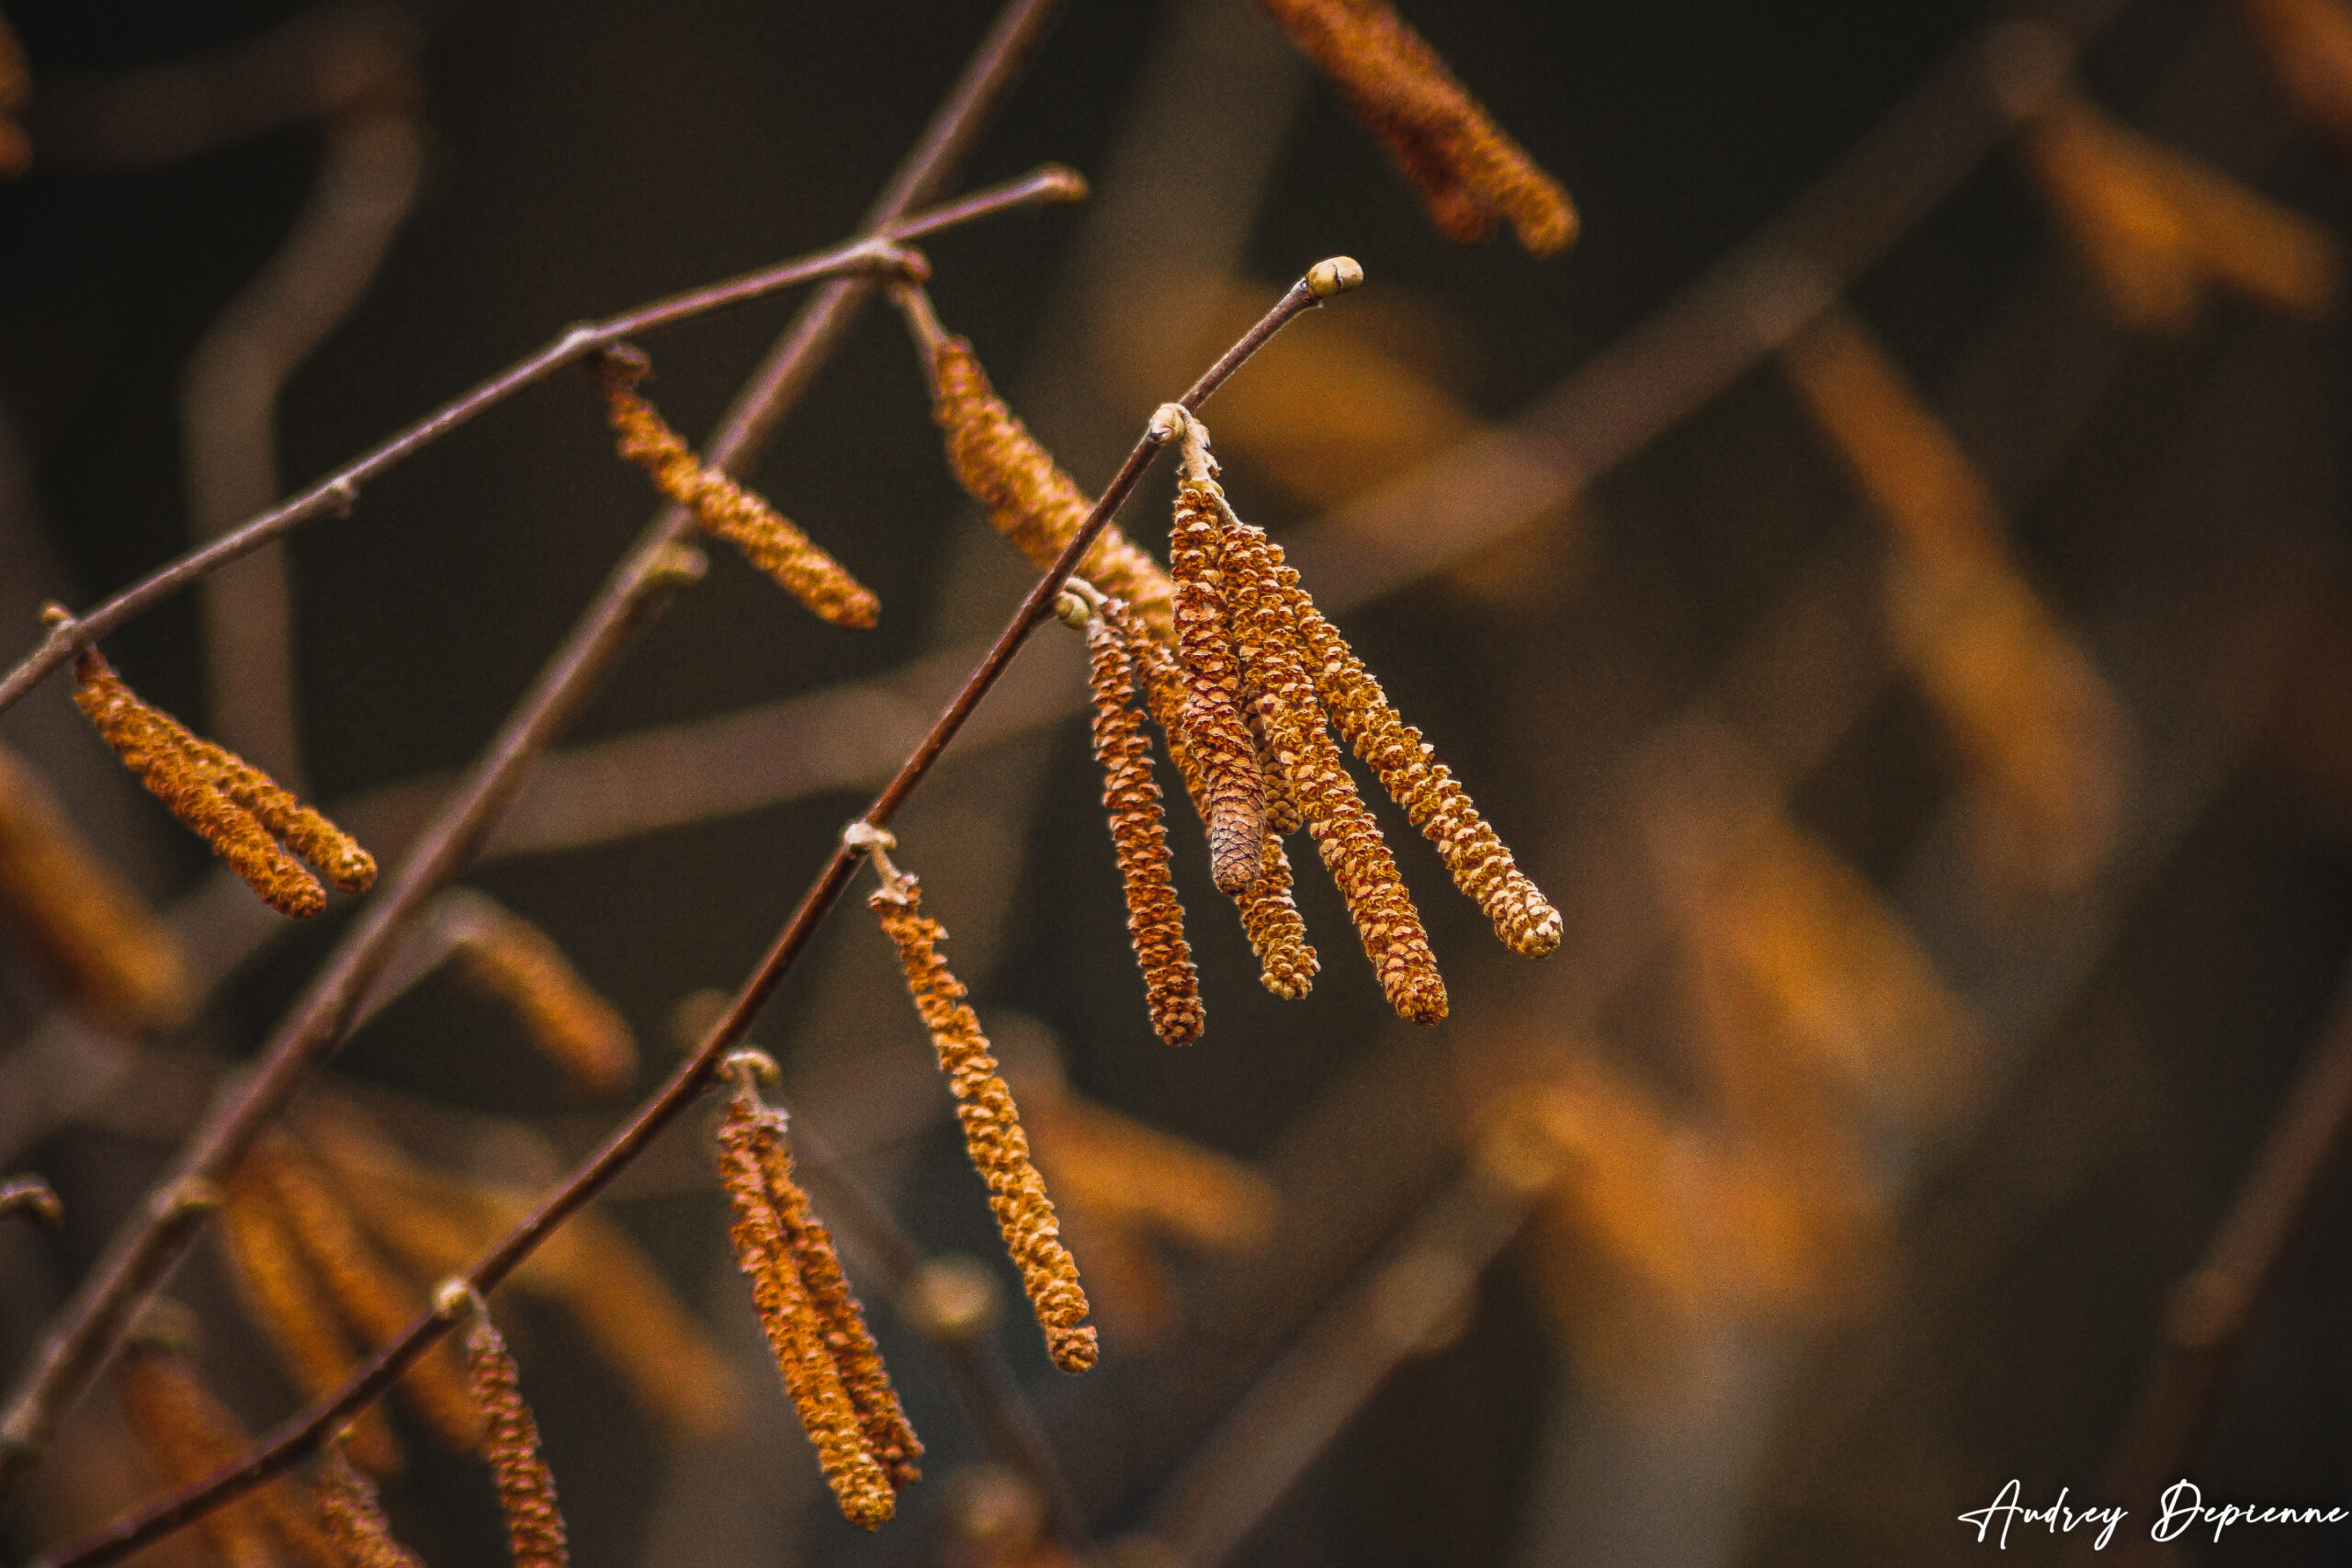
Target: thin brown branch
(878,255)
(303,1435)
(30,1196)
(2214,1305)
(136,1260)
(229,393)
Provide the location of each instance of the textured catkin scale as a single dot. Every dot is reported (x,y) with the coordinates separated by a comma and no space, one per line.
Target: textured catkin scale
(840,1319)
(1482,867)
(535,1532)
(795,1335)
(1223,748)
(1031,500)
(305,831)
(371,1297)
(1155,919)
(1344,832)
(1269,918)
(355,1518)
(740,516)
(575,1028)
(173,764)
(286,1301)
(187,1436)
(992,1133)
(1468,171)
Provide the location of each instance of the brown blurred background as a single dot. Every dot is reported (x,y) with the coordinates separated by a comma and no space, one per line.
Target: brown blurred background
(1929,711)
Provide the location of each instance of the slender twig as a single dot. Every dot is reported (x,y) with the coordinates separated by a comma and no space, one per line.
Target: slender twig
(884,253)
(136,1261)
(291,1442)
(2214,1306)
(366,182)
(31,1196)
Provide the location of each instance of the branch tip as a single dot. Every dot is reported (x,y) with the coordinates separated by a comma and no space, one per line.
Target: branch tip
(1335,275)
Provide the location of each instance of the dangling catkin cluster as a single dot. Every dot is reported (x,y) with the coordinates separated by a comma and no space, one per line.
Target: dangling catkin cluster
(248,819)
(1468,172)
(535,1532)
(1221,744)
(724,507)
(355,1519)
(992,1133)
(1155,919)
(815,1328)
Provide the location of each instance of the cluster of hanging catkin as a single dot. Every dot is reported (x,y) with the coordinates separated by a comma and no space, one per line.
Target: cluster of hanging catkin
(815,1326)
(250,820)
(1246,680)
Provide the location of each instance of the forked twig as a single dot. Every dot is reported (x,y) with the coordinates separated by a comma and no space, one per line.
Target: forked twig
(136,1260)
(303,1434)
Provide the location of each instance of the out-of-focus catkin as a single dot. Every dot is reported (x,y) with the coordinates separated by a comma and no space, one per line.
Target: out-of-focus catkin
(1468,172)
(1222,746)
(286,1301)
(187,1435)
(1030,500)
(534,1531)
(993,1131)
(1155,919)
(577,1030)
(725,508)
(116,961)
(231,806)
(796,1333)
(355,1518)
(371,1296)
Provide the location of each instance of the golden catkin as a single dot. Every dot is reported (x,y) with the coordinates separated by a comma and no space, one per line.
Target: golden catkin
(1222,746)
(992,1133)
(840,1319)
(535,1533)
(1155,919)
(117,960)
(1344,832)
(374,1300)
(579,1030)
(1282,815)
(188,1435)
(303,831)
(1482,867)
(725,508)
(1469,173)
(795,1334)
(286,1301)
(1030,500)
(355,1518)
(1287,962)
(177,770)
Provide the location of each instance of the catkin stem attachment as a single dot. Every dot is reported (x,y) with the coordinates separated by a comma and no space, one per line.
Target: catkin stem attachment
(992,1133)
(1155,919)
(535,1532)
(724,507)
(815,1328)
(230,805)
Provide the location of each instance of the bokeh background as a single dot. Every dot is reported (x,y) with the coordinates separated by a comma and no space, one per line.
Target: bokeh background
(1887,582)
